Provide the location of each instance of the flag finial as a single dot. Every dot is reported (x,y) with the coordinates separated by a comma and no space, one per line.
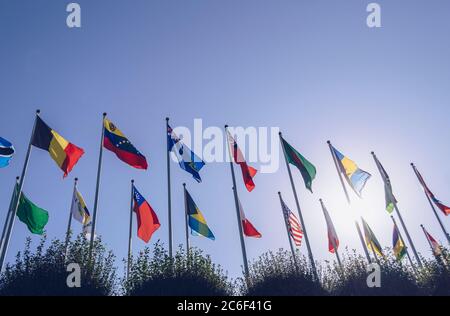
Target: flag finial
(38,112)
(328,142)
(104,114)
(132,181)
(226,125)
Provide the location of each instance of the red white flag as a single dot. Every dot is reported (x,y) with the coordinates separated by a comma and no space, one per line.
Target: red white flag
(433,243)
(332,235)
(248,228)
(247,172)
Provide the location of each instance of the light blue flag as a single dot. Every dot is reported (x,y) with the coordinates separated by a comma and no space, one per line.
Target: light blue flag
(6,152)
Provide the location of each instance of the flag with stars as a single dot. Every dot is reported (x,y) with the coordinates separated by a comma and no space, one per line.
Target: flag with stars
(115,141)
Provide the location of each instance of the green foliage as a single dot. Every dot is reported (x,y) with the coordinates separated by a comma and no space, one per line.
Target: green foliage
(276,274)
(44,272)
(159,275)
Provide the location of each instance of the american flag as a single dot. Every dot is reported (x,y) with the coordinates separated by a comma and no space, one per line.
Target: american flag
(295,229)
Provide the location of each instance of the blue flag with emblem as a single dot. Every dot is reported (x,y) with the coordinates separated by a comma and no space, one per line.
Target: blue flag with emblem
(187,159)
(6,152)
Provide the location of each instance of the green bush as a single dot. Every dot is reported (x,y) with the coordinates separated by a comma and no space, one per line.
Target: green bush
(276,274)
(159,275)
(44,272)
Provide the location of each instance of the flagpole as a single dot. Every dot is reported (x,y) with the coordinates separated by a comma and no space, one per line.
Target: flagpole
(16,202)
(8,215)
(400,218)
(99,170)
(333,241)
(403,241)
(432,206)
(238,213)
(287,231)
(366,252)
(130,232)
(308,246)
(361,238)
(169,193)
(69,224)
(186,215)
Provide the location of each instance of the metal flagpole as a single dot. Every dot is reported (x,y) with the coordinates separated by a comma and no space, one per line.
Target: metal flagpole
(366,252)
(403,241)
(69,224)
(333,241)
(432,207)
(238,213)
(99,170)
(186,216)
(169,193)
(130,231)
(16,202)
(8,215)
(399,216)
(285,219)
(311,258)
(362,241)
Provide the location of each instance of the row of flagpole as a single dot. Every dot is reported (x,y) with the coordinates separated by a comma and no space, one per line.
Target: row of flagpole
(10,219)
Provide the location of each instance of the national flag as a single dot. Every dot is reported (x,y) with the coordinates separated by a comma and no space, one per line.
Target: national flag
(355,176)
(115,141)
(147,221)
(391,201)
(437,250)
(332,235)
(197,222)
(371,240)
(64,153)
(306,168)
(79,209)
(444,208)
(187,159)
(247,226)
(247,172)
(398,245)
(293,224)
(6,152)
(31,215)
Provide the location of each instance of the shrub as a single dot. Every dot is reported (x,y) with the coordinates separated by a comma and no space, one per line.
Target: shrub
(159,275)
(44,272)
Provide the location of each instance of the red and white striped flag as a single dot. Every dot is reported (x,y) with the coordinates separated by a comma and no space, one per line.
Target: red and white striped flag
(295,229)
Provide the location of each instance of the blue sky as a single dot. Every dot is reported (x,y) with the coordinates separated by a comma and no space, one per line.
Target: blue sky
(312,68)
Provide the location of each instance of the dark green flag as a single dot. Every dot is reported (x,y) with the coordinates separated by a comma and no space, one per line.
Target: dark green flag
(306,168)
(31,215)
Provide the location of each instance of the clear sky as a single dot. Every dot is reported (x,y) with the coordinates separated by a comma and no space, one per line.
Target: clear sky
(312,68)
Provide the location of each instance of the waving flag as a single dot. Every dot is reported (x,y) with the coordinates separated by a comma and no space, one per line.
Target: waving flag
(32,215)
(115,141)
(371,240)
(355,176)
(295,228)
(79,209)
(64,153)
(187,159)
(398,245)
(437,250)
(247,172)
(197,222)
(391,201)
(332,235)
(249,229)
(307,169)
(147,221)
(444,208)
(6,152)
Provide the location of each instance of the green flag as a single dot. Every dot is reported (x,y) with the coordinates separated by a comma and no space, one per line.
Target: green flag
(31,215)
(306,168)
